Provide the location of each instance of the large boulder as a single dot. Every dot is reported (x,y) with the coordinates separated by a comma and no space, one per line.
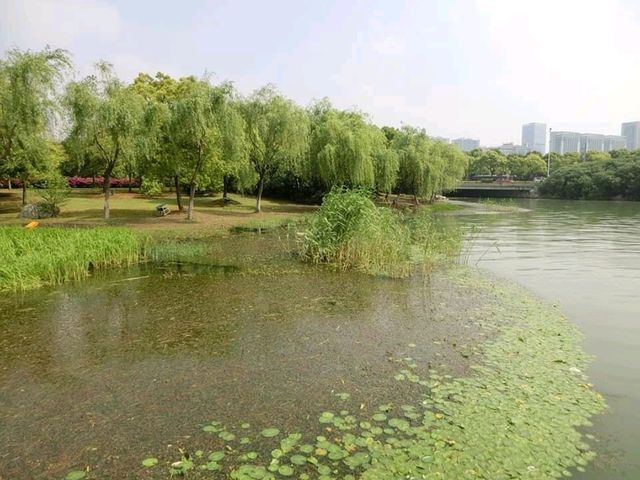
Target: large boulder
(39,210)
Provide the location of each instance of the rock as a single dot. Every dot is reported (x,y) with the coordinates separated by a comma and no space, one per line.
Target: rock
(39,210)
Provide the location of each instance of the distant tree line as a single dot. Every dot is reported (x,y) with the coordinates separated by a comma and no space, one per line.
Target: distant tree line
(194,135)
(615,176)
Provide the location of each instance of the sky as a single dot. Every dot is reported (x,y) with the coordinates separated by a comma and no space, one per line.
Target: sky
(474,68)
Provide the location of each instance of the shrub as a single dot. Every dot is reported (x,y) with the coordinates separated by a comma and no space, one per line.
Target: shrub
(350,232)
(54,195)
(151,187)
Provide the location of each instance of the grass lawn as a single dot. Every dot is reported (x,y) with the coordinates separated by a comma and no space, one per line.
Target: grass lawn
(84,208)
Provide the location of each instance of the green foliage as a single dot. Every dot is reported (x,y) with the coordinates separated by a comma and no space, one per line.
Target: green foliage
(28,102)
(151,187)
(49,256)
(596,180)
(206,132)
(55,194)
(277,132)
(488,162)
(350,232)
(427,168)
(343,147)
(106,120)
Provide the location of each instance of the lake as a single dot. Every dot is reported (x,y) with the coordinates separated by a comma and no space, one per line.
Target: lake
(584,256)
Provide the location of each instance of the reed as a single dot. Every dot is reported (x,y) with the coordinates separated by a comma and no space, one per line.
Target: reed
(350,232)
(50,256)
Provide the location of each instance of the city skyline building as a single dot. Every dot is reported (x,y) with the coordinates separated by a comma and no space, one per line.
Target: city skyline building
(614,142)
(631,132)
(513,149)
(591,142)
(466,144)
(534,137)
(564,142)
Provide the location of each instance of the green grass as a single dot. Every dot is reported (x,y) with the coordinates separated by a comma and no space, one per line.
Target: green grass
(50,256)
(178,250)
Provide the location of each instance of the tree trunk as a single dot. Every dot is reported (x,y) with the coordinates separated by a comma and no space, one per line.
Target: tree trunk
(192,194)
(129,182)
(225,188)
(106,189)
(9,183)
(415,199)
(176,182)
(93,180)
(259,198)
(24,193)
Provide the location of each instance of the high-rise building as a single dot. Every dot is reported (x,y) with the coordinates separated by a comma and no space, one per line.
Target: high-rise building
(466,144)
(614,142)
(512,149)
(534,137)
(631,132)
(564,142)
(591,142)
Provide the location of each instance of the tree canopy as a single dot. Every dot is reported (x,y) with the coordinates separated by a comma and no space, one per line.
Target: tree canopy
(277,133)
(106,119)
(28,101)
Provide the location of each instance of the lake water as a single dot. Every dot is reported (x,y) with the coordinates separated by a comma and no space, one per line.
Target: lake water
(585,256)
(131,363)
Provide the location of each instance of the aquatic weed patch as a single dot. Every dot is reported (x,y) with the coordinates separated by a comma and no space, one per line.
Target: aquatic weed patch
(50,256)
(519,415)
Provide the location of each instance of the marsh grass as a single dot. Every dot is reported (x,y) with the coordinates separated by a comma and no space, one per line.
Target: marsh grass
(178,250)
(50,256)
(350,232)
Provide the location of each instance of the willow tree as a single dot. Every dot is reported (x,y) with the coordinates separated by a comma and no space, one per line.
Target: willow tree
(106,119)
(387,164)
(155,155)
(206,132)
(414,152)
(277,135)
(343,147)
(28,101)
(451,164)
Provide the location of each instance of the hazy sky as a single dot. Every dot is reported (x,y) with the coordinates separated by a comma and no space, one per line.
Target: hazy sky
(476,68)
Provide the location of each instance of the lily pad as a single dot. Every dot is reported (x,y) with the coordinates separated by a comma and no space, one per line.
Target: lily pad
(270,432)
(149,462)
(298,459)
(285,470)
(75,475)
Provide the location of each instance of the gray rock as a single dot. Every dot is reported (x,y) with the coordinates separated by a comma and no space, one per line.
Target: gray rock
(39,210)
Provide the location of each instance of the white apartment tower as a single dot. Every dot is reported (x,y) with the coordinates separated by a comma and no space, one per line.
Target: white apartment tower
(534,137)
(631,132)
(563,142)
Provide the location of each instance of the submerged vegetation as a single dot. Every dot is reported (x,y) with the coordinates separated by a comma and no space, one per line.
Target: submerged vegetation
(350,232)
(33,258)
(518,415)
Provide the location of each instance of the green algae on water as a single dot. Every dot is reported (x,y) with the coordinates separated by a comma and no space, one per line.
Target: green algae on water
(519,414)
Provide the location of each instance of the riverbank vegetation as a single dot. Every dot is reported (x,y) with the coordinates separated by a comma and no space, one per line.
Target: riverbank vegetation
(350,232)
(30,258)
(616,178)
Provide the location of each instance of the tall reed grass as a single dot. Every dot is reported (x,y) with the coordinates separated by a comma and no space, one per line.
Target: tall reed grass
(49,256)
(350,232)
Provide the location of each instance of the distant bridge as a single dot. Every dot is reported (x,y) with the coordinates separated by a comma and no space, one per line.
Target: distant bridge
(493,189)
